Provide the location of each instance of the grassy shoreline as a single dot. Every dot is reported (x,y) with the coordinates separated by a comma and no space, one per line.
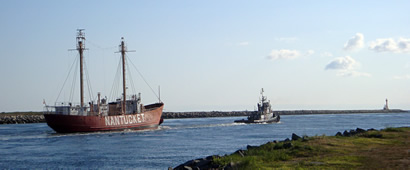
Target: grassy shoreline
(372,149)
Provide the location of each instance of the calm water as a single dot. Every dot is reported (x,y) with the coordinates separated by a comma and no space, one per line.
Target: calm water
(175,142)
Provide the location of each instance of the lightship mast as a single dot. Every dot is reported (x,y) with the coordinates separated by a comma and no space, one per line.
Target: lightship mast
(123,49)
(80,49)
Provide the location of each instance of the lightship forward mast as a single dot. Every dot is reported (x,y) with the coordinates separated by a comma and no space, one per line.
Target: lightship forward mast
(80,49)
(123,49)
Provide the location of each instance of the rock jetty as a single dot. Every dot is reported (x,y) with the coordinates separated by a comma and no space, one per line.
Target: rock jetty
(306,112)
(21,119)
(177,115)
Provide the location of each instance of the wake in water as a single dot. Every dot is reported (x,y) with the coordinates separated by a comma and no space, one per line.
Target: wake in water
(53,134)
(200,126)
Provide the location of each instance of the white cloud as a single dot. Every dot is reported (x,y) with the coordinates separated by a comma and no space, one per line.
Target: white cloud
(389,45)
(404,45)
(355,42)
(309,53)
(288,54)
(245,43)
(381,45)
(283,54)
(342,63)
(327,54)
(345,66)
(402,77)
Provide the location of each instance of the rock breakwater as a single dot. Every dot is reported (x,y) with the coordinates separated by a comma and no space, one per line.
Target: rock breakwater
(177,115)
(306,112)
(21,119)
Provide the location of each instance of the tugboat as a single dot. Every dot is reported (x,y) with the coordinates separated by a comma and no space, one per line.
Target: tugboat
(126,112)
(264,113)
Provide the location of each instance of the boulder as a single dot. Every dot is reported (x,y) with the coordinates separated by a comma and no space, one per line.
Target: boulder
(339,134)
(203,163)
(295,137)
(346,133)
(250,147)
(352,132)
(359,130)
(187,168)
(210,158)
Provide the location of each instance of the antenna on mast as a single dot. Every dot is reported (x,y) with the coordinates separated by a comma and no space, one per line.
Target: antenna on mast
(262,99)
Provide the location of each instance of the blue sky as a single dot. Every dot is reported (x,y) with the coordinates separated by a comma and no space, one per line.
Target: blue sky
(212,55)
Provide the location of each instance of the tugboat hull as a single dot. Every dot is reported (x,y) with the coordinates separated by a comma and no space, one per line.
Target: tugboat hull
(273,120)
(149,119)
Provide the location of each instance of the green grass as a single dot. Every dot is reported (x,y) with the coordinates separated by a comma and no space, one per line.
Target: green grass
(370,150)
(391,129)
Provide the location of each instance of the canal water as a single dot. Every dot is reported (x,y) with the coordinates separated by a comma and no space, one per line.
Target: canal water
(36,146)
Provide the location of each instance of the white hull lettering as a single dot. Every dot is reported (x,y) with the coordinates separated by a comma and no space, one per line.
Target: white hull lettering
(124,119)
(107,121)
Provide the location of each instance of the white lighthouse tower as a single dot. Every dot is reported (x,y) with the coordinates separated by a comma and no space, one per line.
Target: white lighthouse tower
(386,106)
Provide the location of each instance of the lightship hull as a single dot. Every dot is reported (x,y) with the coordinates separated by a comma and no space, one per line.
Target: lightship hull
(149,119)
